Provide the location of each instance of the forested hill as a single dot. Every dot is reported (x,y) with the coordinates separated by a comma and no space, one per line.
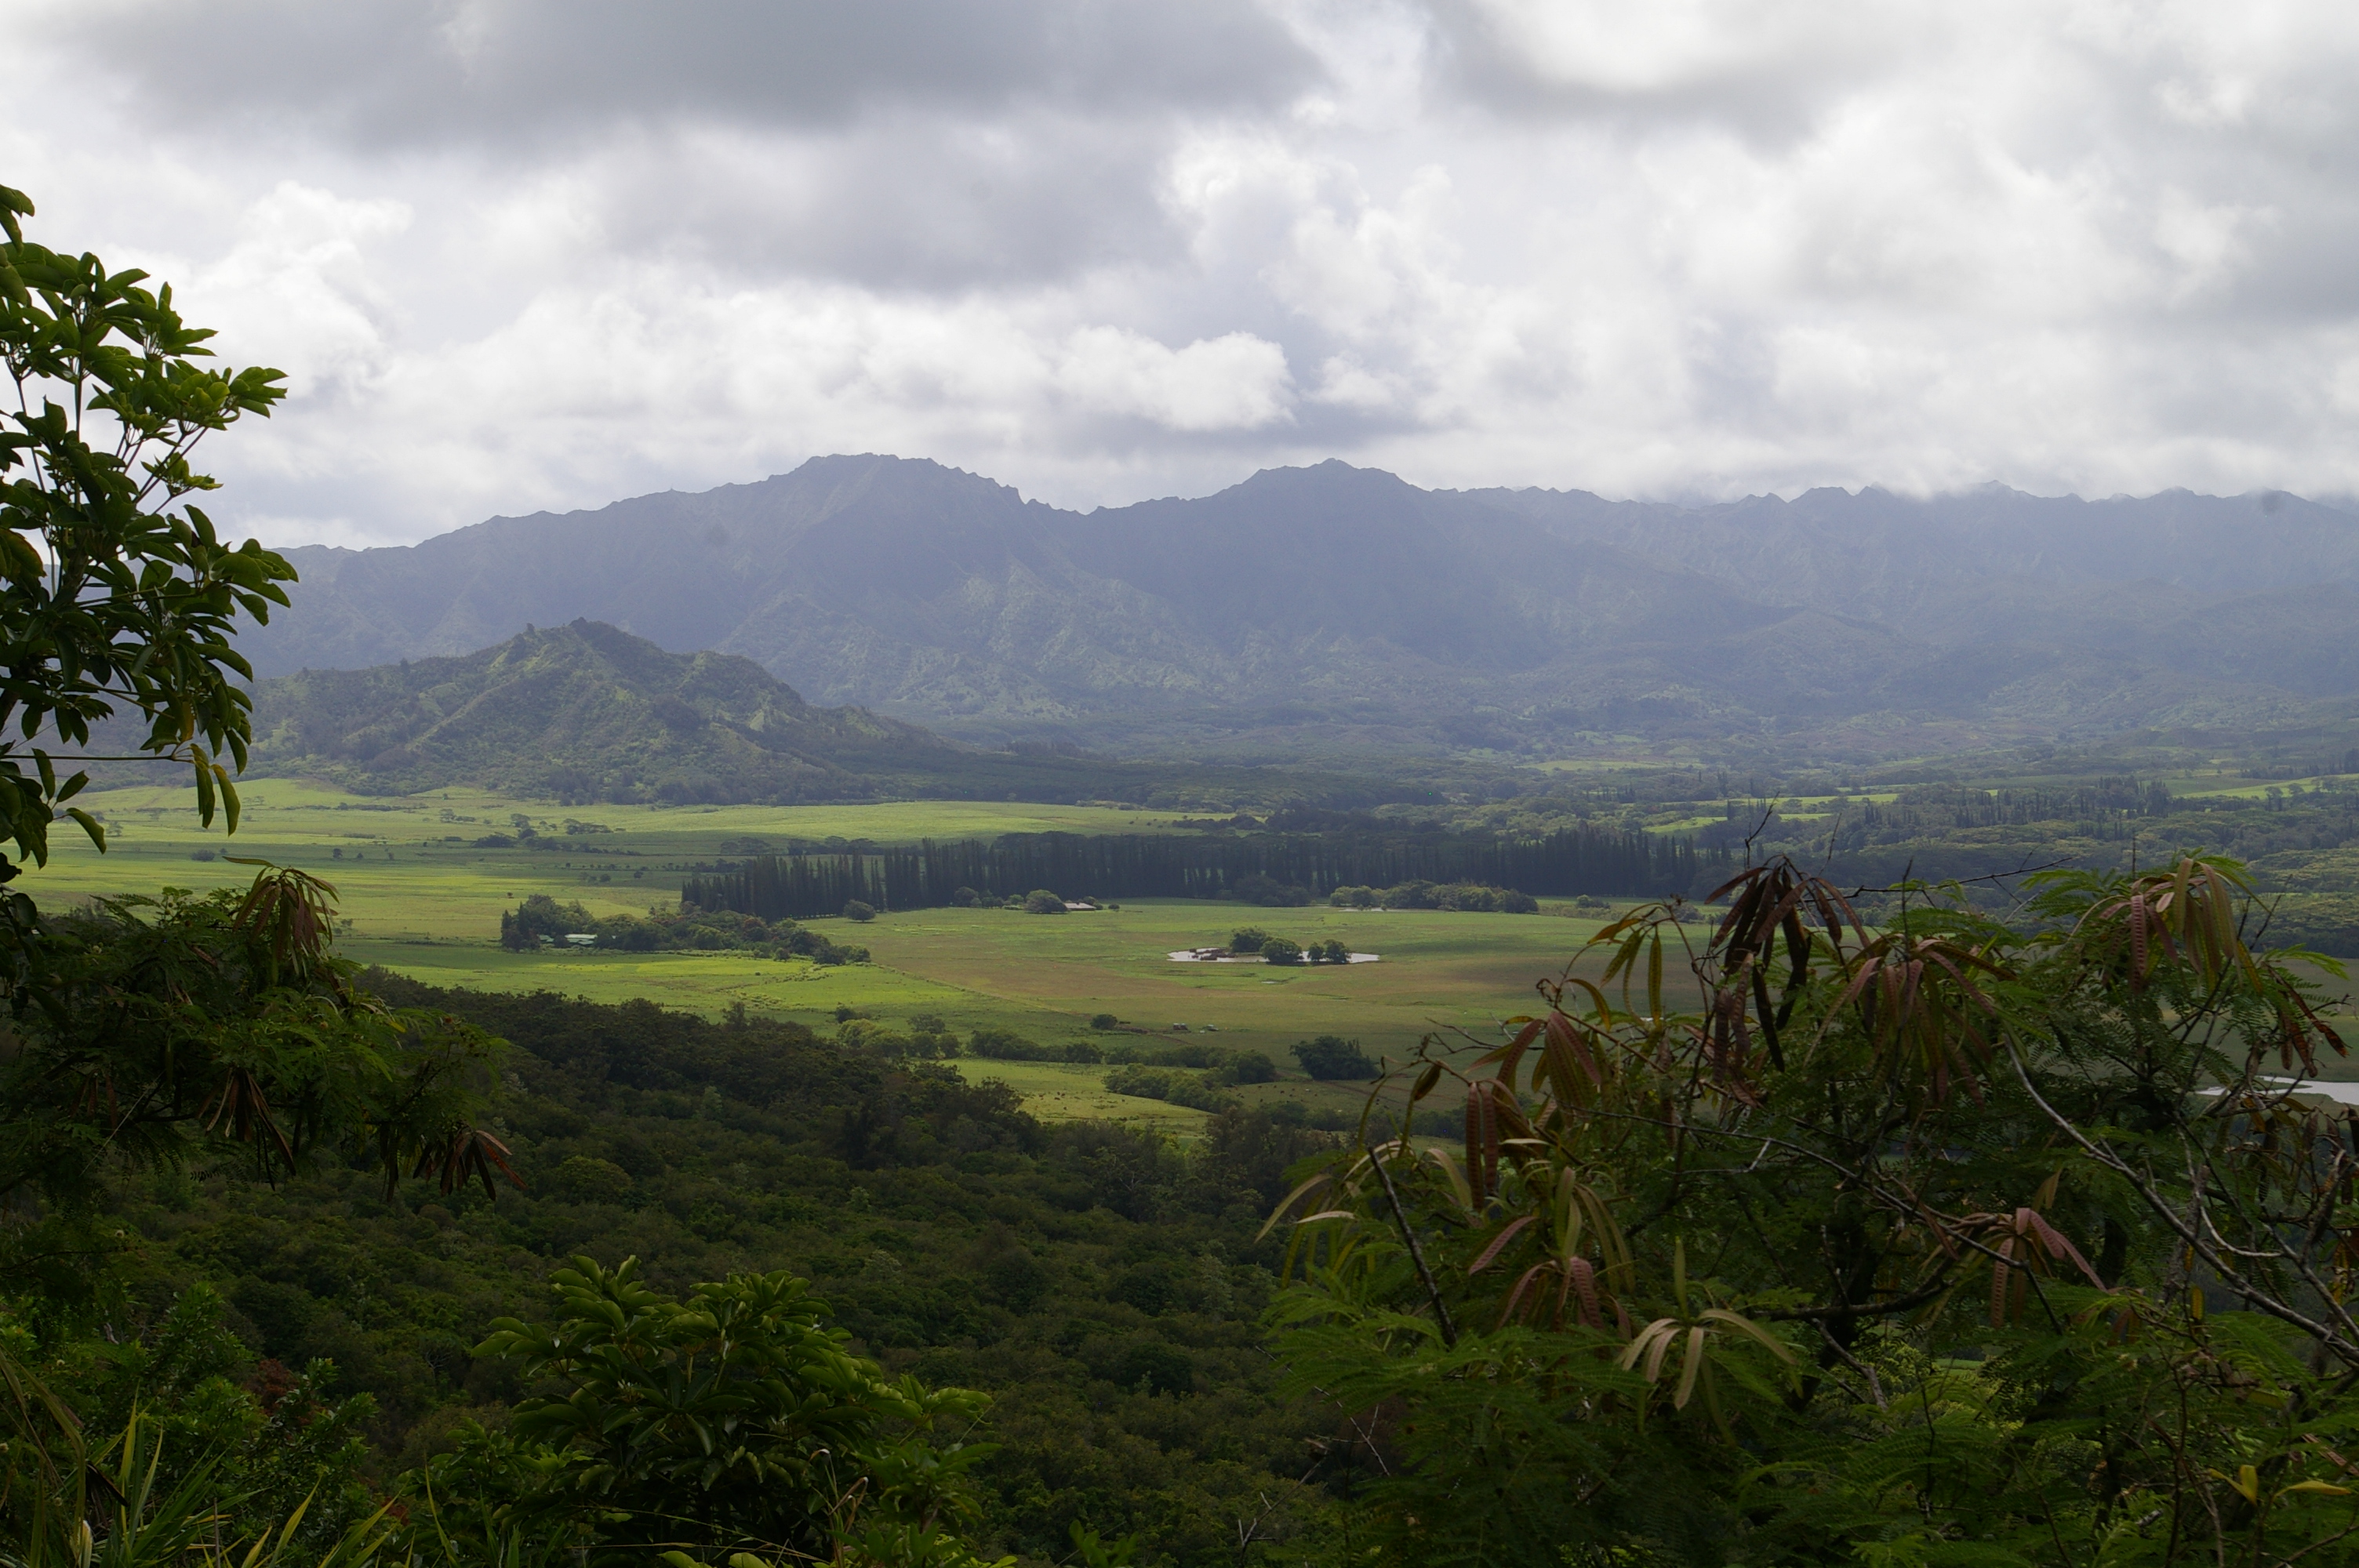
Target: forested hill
(585,712)
(1341,606)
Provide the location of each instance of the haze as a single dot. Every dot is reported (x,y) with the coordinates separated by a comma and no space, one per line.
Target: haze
(524,255)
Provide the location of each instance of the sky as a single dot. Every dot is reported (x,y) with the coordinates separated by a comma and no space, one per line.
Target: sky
(525,254)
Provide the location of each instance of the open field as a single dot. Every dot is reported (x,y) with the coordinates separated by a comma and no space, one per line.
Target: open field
(406,872)
(417,897)
(1045,977)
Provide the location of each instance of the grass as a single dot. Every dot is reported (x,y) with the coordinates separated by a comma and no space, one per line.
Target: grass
(406,873)
(418,898)
(1046,977)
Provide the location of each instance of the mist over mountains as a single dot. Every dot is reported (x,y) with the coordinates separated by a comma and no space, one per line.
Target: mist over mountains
(1338,608)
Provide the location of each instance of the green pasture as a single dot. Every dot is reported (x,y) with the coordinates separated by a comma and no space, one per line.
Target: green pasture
(1045,977)
(407,870)
(416,896)
(296,813)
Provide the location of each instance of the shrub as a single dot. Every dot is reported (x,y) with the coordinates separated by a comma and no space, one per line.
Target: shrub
(1354,898)
(1169,1085)
(1514,903)
(1244,1067)
(1155,1369)
(1327,952)
(583,1179)
(1040,901)
(965,897)
(1000,1046)
(1104,1020)
(856,911)
(1281,950)
(1330,1057)
(934,1044)
(1247,940)
(1007,1046)
(538,916)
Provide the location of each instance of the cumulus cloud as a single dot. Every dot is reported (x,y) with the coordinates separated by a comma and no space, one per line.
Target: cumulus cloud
(516,253)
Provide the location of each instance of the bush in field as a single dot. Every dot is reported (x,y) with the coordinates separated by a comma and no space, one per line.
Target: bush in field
(1040,901)
(965,897)
(1327,952)
(1355,898)
(1281,950)
(541,916)
(1247,939)
(859,913)
(688,928)
(1104,1020)
(1244,1067)
(1007,1046)
(1330,1057)
(1170,1086)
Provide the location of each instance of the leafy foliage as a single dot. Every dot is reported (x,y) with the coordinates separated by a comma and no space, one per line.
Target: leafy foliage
(1896,1250)
(1330,1056)
(733,1420)
(110,599)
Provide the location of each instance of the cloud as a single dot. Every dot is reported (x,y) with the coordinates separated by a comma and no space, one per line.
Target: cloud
(519,254)
(539,73)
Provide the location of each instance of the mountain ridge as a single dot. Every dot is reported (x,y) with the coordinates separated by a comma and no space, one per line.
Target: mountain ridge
(1334,605)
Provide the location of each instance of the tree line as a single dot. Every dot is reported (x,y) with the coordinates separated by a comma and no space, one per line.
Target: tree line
(1585,859)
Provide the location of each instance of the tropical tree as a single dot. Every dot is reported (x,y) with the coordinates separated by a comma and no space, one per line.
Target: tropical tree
(117,594)
(1962,1240)
(732,1422)
(148,1031)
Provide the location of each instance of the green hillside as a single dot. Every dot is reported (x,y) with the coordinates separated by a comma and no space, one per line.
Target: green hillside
(582,712)
(586,713)
(1340,612)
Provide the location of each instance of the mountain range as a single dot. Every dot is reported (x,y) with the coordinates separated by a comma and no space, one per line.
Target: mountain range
(1333,608)
(585,712)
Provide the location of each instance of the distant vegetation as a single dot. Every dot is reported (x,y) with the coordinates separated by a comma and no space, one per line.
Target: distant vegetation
(541,922)
(1426,895)
(1420,870)
(1252,940)
(1329,1056)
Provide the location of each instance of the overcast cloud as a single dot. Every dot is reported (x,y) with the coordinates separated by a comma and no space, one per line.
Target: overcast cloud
(526,254)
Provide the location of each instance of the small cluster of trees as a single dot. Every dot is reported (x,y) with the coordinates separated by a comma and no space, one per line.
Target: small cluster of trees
(1250,940)
(1331,1057)
(542,921)
(1473,896)
(1040,900)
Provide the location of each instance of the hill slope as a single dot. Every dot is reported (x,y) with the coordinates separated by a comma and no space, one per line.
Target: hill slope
(1340,607)
(582,712)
